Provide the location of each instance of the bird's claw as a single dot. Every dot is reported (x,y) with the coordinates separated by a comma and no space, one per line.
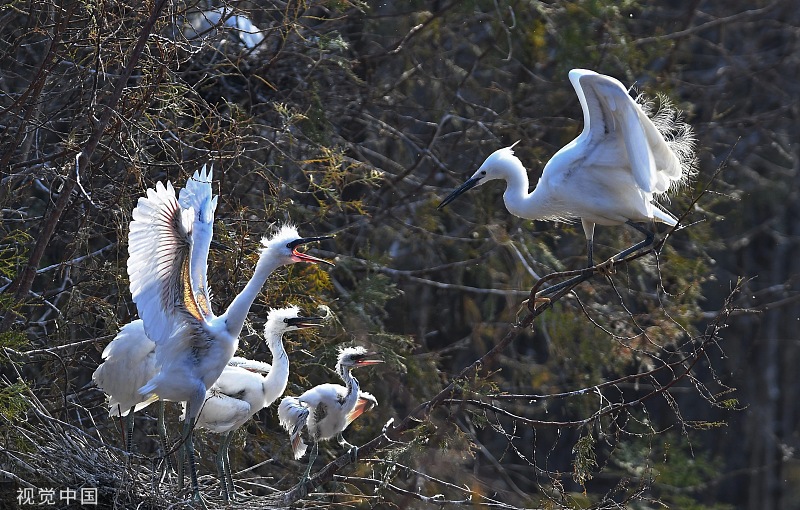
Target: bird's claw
(532,304)
(353,453)
(606,268)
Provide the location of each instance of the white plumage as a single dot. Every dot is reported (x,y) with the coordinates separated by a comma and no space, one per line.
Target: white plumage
(247,386)
(610,174)
(168,250)
(129,362)
(326,410)
(204,22)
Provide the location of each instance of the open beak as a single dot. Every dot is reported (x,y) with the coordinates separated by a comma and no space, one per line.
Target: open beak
(305,322)
(304,257)
(367,362)
(471,183)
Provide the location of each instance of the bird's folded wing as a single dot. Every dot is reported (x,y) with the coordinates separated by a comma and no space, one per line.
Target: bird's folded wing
(158,262)
(250,365)
(221,412)
(197,197)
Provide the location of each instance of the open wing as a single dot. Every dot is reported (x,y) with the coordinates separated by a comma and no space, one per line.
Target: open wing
(293,416)
(609,110)
(196,199)
(365,402)
(159,245)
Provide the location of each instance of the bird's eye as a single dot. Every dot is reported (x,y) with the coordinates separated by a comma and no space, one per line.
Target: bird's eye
(483,172)
(286,320)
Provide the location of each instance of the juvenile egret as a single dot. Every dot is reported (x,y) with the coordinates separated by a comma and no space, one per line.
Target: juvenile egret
(326,410)
(610,173)
(168,251)
(247,386)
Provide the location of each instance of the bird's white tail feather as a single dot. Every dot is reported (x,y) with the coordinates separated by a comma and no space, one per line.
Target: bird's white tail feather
(292,415)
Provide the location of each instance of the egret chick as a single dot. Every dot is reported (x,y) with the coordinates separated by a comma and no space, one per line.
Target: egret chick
(168,248)
(326,410)
(247,386)
(610,174)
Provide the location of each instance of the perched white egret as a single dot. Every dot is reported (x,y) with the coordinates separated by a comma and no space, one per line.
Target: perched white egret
(247,386)
(326,410)
(168,250)
(610,174)
(201,23)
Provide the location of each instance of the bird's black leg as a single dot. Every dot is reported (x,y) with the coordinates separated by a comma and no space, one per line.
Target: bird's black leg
(220,461)
(648,240)
(353,450)
(129,430)
(189,445)
(162,434)
(589,250)
(228,474)
(182,453)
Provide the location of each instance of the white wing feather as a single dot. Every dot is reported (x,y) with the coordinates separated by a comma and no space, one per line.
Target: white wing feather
(197,197)
(129,363)
(158,245)
(292,415)
(653,164)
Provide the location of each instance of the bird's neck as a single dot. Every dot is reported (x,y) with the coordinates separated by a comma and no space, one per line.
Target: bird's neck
(353,388)
(517,199)
(237,311)
(278,376)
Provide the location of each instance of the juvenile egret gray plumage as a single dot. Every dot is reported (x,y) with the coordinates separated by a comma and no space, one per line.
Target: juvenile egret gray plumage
(168,251)
(326,410)
(610,174)
(247,386)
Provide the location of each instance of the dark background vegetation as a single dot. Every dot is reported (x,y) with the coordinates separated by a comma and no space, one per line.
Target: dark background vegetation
(356,119)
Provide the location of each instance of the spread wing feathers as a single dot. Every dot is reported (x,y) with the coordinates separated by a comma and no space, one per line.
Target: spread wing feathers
(365,402)
(197,197)
(129,363)
(293,415)
(614,112)
(159,243)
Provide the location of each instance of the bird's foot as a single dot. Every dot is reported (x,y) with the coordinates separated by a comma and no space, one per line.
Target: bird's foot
(304,487)
(198,501)
(353,452)
(532,304)
(606,268)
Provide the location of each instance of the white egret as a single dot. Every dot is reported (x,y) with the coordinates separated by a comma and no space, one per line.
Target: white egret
(326,410)
(247,386)
(205,22)
(610,174)
(168,250)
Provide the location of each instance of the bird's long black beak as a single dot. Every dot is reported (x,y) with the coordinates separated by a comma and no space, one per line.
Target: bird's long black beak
(305,322)
(218,246)
(304,257)
(471,183)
